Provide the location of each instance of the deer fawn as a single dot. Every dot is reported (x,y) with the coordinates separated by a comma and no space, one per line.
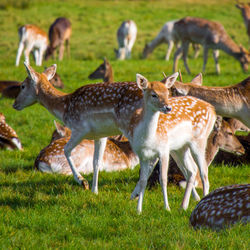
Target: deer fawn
(211,35)
(32,38)
(126,36)
(222,208)
(59,33)
(104,71)
(8,136)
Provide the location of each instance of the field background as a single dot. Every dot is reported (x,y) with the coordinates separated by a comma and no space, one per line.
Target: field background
(39,211)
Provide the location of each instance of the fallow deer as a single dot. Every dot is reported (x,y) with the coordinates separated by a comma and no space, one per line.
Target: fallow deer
(236,125)
(96,111)
(211,35)
(8,136)
(32,38)
(59,33)
(126,36)
(222,208)
(104,71)
(245,11)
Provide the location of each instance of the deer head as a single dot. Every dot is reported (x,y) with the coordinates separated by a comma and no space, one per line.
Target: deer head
(101,71)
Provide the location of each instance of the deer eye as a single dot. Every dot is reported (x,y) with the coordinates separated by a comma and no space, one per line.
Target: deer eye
(22,86)
(154,95)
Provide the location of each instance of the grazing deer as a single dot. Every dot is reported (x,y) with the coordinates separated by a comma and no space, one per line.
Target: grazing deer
(126,36)
(8,136)
(32,38)
(166,35)
(245,11)
(222,208)
(104,71)
(59,33)
(211,35)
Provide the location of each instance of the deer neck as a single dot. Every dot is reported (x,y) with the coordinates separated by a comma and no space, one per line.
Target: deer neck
(230,47)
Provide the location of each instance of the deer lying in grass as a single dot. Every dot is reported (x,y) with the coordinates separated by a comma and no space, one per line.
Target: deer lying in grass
(8,136)
(126,36)
(222,208)
(59,33)
(32,38)
(211,35)
(104,71)
(96,111)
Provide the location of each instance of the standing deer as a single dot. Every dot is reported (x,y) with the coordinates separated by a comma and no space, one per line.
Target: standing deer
(59,33)
(245,11)
(211,35)
(222,208)
(126,36)
(8,136)
(32,38)
(104,71)
(100,110)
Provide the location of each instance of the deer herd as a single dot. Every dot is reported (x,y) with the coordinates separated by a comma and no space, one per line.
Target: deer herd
(173,130)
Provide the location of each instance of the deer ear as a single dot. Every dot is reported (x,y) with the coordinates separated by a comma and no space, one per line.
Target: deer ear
(218,122)
(197,80)
(141,81)
(59,128)
(50,71)
(170,80)
(31,72)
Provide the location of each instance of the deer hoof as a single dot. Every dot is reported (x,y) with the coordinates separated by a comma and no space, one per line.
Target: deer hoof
(85,184)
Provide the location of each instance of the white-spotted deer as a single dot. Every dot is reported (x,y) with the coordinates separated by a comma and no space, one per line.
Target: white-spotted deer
(59,34)
(126,36)
(104,71)
(8,136)
(32,38)
(211,35)
(222,208)
(101,110)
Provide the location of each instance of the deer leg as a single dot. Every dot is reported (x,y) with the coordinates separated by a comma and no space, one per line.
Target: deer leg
(170,47)
(177,56)
(68,48)
(98,156)
(61,51)
(216,60)
(185,46)
(196,48)
(19,52)
(130,46)
(205,55)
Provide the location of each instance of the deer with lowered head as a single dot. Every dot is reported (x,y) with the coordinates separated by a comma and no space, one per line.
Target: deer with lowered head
(211,35)
(32,39)
(101,110)
(59,34)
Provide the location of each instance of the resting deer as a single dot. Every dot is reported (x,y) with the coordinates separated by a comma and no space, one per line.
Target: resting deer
(104,71)
(222,208)
(245,11)
(8,136)
(211,35)
(166,35)
(32,38)
(59,33)
(126,36)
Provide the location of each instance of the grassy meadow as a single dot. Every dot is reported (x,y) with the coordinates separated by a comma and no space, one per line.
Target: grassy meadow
(44,211)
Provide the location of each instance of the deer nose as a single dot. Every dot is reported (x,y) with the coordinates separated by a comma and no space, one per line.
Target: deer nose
(166,109)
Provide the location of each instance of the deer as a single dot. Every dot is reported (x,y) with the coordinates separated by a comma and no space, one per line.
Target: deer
(211,35)
(32,38)
(166,35)
(236,125)
(245,12)
(59,34)
(222,208)
(101,110)
(104,71)
(126,36)
(8,136)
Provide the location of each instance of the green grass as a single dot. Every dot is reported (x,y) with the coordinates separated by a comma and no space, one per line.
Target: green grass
(51,211)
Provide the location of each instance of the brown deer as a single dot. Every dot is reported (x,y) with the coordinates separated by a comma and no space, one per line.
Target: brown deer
(32,38)
(101,110)
(222,208)
(245,11)
(8,136)
(59,33)
(211,35)
(104,71)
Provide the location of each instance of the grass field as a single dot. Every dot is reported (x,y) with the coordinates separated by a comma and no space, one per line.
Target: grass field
(42,211)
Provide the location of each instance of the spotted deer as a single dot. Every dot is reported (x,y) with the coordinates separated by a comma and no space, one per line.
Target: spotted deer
(222,208)
(59,34)
(211,35)
(96,111)
(126,36)
(32,38)
(8,136)
(104,71)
